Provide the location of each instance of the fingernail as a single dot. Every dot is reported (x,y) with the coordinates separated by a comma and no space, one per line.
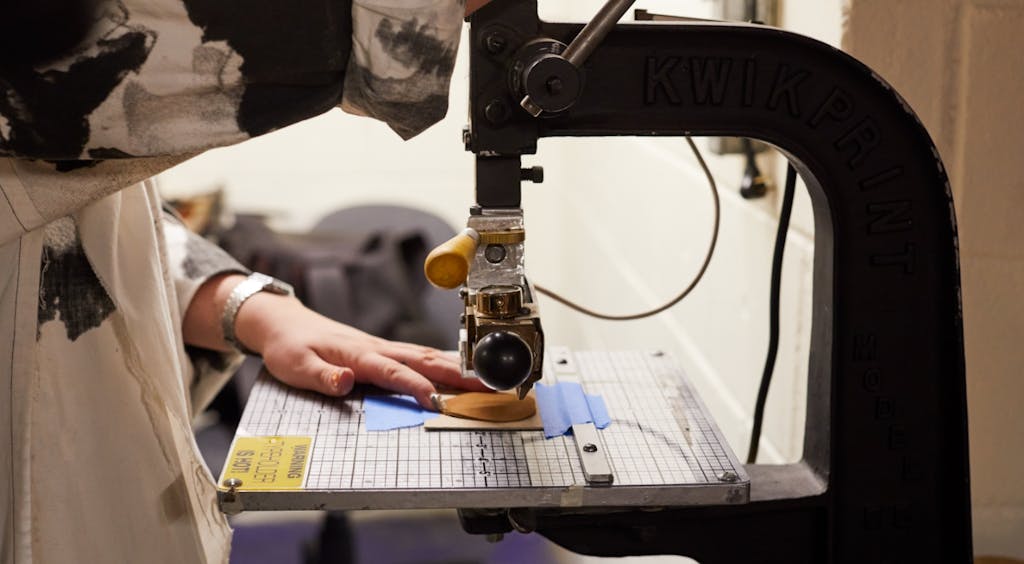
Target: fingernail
(343,377)
(437,401)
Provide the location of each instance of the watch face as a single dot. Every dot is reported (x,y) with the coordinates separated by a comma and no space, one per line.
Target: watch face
(278,287)
(262,279)
(271,284)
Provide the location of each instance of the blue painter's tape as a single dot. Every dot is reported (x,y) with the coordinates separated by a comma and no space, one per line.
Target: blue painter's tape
(564,404)
(599,411)
(384,413)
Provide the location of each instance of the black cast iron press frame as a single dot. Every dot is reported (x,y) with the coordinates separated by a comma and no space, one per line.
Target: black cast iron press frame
(884,474)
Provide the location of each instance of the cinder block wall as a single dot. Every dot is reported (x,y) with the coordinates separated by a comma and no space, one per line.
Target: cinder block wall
(959,64)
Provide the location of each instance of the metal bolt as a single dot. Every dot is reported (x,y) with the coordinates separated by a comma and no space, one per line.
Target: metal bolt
(533,174)
(728,476)
(590,447)
(232,483)
(495,253)
(495,43)
(496,111)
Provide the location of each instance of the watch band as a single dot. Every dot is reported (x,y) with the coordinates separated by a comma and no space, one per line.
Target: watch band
(252,285)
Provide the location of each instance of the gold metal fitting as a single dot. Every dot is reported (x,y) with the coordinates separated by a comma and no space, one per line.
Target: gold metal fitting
(499,301)
(502,237)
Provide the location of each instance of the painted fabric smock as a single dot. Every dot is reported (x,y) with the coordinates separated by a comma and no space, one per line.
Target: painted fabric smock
(97,388)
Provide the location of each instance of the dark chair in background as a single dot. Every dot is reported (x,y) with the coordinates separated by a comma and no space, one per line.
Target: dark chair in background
(440,308)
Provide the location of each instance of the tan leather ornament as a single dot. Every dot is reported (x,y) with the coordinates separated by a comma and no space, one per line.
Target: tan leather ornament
(489,407)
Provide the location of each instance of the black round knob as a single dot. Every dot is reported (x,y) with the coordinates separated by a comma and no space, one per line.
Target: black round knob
(552,83)
(502,360)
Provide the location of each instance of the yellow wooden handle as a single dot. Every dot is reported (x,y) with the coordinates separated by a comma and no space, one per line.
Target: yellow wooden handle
(447,266)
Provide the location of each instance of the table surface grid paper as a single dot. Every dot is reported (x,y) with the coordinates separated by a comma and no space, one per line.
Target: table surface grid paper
(661,435)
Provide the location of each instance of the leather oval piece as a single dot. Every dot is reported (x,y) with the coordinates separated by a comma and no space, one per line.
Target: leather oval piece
(490,407)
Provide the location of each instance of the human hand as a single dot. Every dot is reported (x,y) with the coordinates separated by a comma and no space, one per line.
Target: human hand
(307,350)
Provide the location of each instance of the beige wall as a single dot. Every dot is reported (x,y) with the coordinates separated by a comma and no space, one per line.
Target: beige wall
(960,65)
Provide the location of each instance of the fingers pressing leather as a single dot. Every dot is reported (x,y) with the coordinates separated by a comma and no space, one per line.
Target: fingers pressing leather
(421,350)
(390,374)
(436,366)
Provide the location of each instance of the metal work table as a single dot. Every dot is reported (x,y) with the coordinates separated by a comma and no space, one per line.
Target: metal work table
(301,450)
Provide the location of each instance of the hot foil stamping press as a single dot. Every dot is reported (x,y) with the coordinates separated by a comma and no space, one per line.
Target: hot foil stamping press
(501,340)
(884,473)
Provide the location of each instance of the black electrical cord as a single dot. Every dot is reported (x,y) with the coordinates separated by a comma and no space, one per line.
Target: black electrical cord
(693,283)
(776,283)
(773,312)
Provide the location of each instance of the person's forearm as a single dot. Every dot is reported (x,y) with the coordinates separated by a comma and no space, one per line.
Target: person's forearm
(202,324)
(307,350)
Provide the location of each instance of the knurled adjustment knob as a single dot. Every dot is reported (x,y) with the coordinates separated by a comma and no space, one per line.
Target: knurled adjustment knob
(499,301)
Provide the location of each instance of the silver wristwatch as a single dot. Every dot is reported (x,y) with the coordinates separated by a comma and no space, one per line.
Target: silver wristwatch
(246,289)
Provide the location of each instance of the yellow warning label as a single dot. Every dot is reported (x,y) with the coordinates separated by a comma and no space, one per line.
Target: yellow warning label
(268,463)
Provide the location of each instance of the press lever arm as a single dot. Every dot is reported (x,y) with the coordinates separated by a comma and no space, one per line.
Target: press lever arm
(549,72)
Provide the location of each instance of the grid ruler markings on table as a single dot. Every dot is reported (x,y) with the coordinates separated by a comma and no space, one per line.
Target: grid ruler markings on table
(659,436)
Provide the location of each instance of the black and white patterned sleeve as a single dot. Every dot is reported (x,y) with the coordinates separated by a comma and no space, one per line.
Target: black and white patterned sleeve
(170,77)
(193,260)
(96,95)
(403,53)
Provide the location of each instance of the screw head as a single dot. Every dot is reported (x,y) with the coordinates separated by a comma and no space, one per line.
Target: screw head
(232,483)
(496,111)
(495,43)
(728,476)
(495,253)
(590,447)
